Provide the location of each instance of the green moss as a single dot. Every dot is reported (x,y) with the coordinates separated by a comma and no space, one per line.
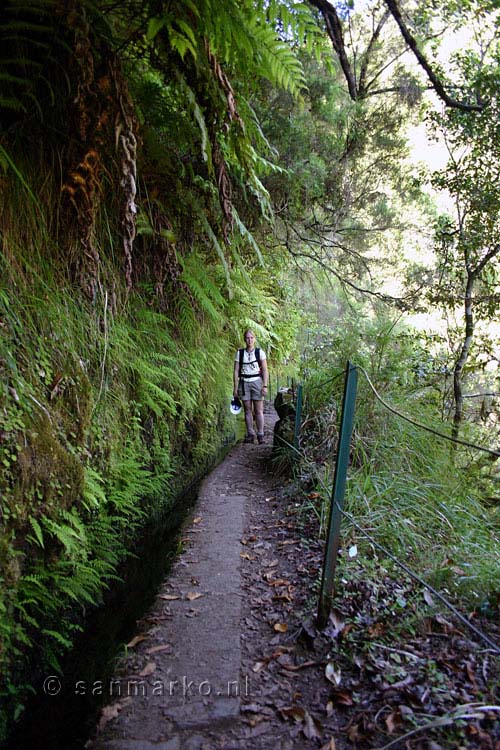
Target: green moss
(49,475)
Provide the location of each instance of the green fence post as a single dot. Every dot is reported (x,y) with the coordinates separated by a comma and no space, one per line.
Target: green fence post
(298,416)
(338,492)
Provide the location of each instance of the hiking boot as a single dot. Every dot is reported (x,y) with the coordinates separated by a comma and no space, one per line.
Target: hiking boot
(250,439)
(260,438)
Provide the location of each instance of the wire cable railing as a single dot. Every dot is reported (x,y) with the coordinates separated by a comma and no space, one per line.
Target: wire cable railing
(336,507)
(452,439)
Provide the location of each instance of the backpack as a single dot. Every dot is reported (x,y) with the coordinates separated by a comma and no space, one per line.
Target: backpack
(257,359)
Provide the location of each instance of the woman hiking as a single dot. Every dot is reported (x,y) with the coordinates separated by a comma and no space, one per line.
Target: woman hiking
(250,379)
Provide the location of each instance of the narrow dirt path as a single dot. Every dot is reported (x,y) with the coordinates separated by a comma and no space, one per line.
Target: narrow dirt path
(194,677)
(228,657)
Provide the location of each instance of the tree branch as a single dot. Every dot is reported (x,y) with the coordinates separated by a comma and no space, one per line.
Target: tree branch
(362,87)
(436,83)
(489,255)
(334,29)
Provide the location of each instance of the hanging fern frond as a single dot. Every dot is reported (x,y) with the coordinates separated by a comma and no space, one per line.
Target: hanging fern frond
(190,96)
(248,236)
(278,63)
(219,251)
(206,292)
(30,43)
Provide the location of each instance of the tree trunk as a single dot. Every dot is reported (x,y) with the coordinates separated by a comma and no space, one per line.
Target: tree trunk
(464,353)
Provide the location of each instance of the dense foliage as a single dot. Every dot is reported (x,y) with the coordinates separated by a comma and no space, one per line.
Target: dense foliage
(171,173)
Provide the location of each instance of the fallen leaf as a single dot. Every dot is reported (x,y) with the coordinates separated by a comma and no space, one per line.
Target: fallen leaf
(312,728)
(282,597)
(393,721)
(169,597)
(280,627)
(246,556)
(335,625)
(156,649)
(342,697)
(111,712)
(197,519)
(148,669)
(329,745)
(258,666)
(293,712)
(428,598)
(136,639)
(296,667)
(332,674)
(353,733)
(192,595)
(471,674)
(278,582)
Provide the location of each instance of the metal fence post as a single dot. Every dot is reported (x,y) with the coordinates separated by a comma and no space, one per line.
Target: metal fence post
(298,416)
(338,492)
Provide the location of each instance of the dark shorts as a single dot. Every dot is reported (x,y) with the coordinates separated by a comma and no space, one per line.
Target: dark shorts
(253,390)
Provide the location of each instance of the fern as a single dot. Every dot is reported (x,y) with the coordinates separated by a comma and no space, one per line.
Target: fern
(60,639)
(219,251)
(29,36)
(206,293)
(206,148)
(247,235)
(38,532)
(93,491)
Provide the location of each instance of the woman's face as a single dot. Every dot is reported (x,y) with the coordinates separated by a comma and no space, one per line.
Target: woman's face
(249,339)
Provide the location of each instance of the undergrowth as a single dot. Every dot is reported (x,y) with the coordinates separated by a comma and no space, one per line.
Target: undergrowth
(425,501)
(99,434)
(109,407)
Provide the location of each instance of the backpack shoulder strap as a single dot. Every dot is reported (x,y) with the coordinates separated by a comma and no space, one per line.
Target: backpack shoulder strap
(257,355)
(241,351)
